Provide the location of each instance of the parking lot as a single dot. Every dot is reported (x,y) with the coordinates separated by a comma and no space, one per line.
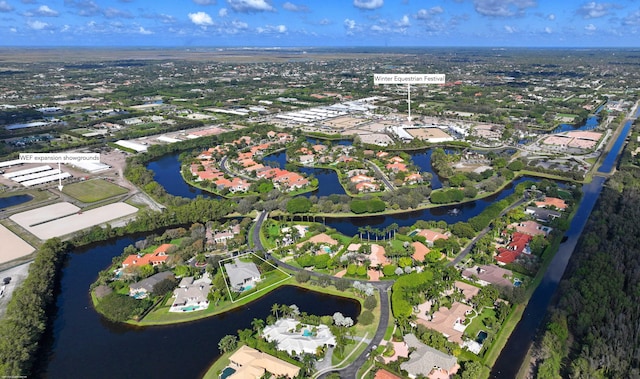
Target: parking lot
(17,274)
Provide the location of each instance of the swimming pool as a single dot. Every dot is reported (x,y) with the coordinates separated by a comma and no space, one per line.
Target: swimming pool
(307,333)
(482,335)
(227,372)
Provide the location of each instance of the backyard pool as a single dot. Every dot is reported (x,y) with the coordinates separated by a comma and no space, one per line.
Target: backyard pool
(307,333)
(517,282)
(482,335)
(227,372)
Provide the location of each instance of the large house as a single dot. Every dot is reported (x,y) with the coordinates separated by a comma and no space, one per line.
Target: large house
(250,363)
(296,339)
(448,321)
(518,245)
(427,361)
(489,274)
(159,256)
(143,288)
(242,274)
(191,295)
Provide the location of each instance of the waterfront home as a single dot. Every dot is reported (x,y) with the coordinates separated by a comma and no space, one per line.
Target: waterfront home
(250,363)
(531,228)
(518,244)
(427,361)
(157,257)
(295,338)
(242,274)
(542,214)
(431,236)
(552,202)
(191,295)
(489,274)
(448,321)
(143,288)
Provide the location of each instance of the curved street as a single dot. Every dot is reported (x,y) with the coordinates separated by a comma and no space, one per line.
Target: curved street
(382,287)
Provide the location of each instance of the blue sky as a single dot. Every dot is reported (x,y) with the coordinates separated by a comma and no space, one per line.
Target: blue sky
(536,23)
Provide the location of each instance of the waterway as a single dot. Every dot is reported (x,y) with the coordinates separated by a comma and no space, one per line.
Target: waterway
(166,171)
(520,341)
(450,213)
(590,123)
(82,344)
(514,352)
(6,202)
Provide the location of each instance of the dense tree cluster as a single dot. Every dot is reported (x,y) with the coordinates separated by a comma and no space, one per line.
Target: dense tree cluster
(26,318)
(601,315)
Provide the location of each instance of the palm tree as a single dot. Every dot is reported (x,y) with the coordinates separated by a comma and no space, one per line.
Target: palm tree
(394,228)
(360,232)
(275,308)
(257,324)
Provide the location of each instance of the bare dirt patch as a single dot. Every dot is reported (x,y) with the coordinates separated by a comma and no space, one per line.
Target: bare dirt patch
(13,247)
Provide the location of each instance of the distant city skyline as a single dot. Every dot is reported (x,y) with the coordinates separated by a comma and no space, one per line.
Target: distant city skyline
(491,23)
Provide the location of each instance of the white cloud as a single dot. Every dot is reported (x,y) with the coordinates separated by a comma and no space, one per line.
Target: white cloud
(86,8)
(595,10)
(425,14)
(223,12)
(295,8)
(349,24)
(551,17)
(632,19)
(404,22)
(325,21)
(116,13)
(272,29)
(5,7)
(13,30)
(249,6)
(509,29)
(377,28)
(590,28)
(205,2)
(368,4)
(37,25)
(45,11)
(200,18)
(144,31)
(239,24)
(65,28)
(548,30)
(503,8)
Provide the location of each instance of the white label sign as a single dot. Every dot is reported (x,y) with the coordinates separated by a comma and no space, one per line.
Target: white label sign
(408,79)
(59,157)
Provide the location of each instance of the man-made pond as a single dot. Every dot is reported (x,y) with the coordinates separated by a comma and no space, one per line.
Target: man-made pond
(167,173)
(6,202)
(590,123)
(450,213)
(82,344)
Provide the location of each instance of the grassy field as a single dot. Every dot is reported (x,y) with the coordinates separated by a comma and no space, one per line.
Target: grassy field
(93,190)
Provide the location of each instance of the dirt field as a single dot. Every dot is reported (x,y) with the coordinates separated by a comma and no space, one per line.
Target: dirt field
(13,247)
(44,214)
(78,221)
(17,274)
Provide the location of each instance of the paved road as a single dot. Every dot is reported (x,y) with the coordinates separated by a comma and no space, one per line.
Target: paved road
(225,168)
(383,287)
(484,231)
(382,176)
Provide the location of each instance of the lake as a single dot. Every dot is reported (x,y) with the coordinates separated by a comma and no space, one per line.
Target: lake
(82,344)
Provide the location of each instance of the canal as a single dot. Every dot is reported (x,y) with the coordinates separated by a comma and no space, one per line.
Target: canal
(82,344)
(514,352)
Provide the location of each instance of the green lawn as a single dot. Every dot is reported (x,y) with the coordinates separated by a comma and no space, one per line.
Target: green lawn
(93,190)
(478,323)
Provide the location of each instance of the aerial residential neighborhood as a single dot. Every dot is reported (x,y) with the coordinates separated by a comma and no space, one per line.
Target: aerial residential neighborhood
(317,212)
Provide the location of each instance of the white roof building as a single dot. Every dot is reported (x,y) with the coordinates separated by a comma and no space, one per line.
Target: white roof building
(306,339)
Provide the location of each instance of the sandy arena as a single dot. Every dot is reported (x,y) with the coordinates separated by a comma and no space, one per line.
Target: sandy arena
(13,247)
(59,224)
